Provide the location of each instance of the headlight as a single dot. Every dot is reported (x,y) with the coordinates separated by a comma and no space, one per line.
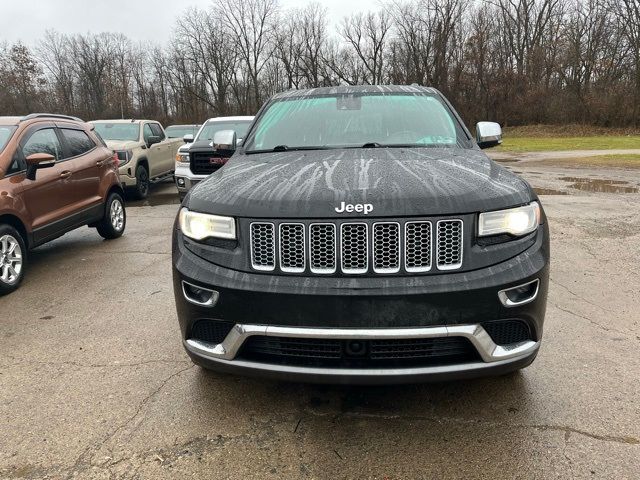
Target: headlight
(124,156)
(200,225)
(182,158)
(516,221)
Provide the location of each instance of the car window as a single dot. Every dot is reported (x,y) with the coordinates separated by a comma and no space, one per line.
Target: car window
(43,141)
(99,137)
(353,120)
(157,130)
(179,131)
(211,128)
(17,165)
(78,142)
(5,134)
(146,132)
(126,132)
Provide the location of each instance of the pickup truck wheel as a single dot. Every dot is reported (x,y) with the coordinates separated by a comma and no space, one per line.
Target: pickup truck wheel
(13,259)
(115,218)
(142,183)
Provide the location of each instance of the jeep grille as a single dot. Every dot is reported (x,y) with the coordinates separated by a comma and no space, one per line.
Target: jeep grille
(357,248)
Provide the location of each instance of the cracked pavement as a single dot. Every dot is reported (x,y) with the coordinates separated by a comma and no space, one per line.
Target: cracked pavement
(94,382)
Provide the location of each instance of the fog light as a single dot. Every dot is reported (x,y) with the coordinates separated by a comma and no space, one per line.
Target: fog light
(520,295)
(180,181)
(202,297)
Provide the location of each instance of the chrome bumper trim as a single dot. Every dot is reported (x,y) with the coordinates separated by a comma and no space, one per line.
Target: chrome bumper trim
(488,350)
(507,302)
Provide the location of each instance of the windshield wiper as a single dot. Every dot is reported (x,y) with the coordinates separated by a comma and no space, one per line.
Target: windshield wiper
(372,145)
(286,148)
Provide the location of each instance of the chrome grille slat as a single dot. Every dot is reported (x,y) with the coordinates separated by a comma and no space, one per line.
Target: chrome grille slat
(292,250)
(386,247)
(356,248)
(449,244)
(263,246)
(322,248)
(417,246)
(354,251)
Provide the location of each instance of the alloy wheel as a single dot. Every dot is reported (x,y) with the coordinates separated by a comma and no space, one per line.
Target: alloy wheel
(10,259)
(116,215)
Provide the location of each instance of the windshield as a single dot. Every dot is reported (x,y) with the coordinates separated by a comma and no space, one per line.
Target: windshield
(5,134)
(126,132)
(179,131)
(356,120)
(210,128)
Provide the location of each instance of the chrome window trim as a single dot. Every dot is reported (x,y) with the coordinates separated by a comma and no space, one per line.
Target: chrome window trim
(373,249)
(304,250)
(324,271)
(262,268)
(418,269)
(453,266)
(355,271)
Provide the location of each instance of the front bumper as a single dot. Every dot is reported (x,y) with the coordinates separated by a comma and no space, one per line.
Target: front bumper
(496,359)
(185,178)
(128,175)
(439,306)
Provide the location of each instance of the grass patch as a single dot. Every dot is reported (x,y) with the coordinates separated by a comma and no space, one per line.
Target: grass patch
(543,144)
(568,130)
(619,161)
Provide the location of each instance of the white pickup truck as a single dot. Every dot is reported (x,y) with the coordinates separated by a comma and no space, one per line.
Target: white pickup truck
(144,151)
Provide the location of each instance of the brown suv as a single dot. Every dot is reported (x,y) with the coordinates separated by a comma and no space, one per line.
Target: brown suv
(56,174)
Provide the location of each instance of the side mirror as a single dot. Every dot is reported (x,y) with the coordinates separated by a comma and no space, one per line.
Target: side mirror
(152,140)
(224,142)
(188,138)
(36,161)
(488,134)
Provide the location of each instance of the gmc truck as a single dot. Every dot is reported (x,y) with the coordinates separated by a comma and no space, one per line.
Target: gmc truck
(361,235)
(146,154)
(197,159)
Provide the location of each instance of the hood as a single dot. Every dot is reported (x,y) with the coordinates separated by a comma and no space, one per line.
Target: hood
(121,144)
(201,145)
(395,182)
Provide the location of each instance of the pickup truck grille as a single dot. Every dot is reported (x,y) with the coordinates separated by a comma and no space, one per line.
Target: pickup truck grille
(205,163)
(357,248)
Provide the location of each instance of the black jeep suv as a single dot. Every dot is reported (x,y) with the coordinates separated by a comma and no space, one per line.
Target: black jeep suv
(360,235)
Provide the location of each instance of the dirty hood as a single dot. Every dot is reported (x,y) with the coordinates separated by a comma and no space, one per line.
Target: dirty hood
(395,182)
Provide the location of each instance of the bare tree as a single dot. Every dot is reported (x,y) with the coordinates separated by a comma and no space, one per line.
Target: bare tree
(251,24)
(368,34)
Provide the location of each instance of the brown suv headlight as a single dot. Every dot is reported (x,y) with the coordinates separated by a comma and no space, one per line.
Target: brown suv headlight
(199,226)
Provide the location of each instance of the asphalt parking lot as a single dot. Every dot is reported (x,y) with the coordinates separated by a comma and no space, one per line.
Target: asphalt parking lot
(94,382)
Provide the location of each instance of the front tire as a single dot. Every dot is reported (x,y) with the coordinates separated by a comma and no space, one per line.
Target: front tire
(115,218)
(141,190)
(13,259)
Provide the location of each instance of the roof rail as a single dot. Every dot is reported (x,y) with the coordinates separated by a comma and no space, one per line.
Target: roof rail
(50,115)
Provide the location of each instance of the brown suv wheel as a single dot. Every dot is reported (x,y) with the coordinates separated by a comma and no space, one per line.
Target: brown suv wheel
(12,258)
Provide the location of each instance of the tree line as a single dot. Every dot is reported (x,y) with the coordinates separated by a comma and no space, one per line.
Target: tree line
(513,61)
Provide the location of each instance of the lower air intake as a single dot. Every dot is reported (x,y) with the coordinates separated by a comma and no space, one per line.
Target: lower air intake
(210,331)
(507,332)
(333,353)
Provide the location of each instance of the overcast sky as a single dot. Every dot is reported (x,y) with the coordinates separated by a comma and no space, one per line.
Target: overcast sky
(26,20)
